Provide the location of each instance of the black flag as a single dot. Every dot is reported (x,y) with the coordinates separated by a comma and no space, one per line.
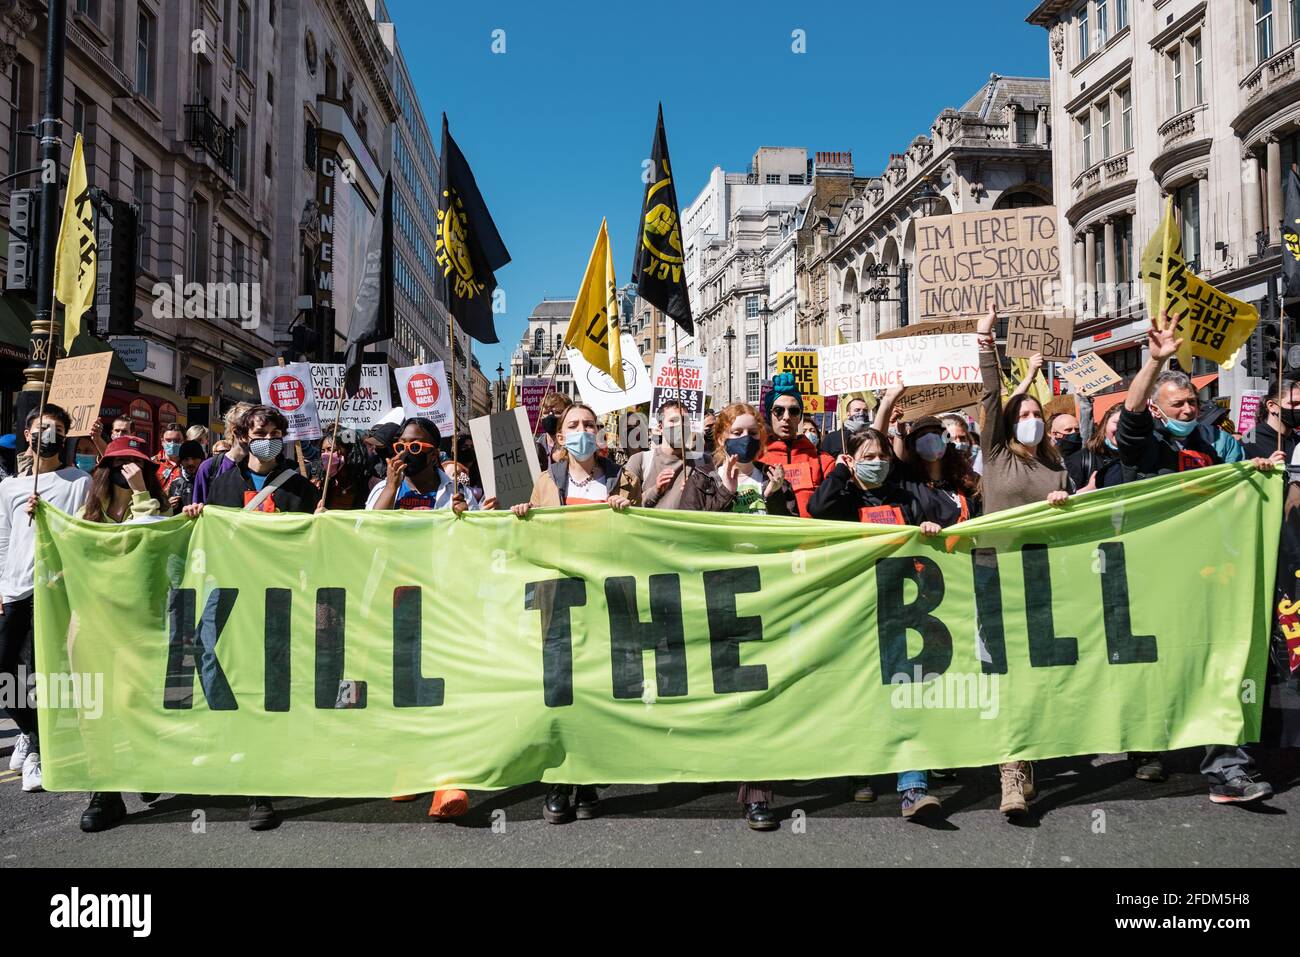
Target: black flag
(660,263)
(1291,233)
(469,247)
(372,311)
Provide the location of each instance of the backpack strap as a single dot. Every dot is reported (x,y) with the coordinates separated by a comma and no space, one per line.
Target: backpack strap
(271,485)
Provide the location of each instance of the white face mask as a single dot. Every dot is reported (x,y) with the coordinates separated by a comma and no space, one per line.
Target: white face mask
(1030,431)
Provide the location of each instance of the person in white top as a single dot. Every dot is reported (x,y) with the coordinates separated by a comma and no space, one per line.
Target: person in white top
(65,488)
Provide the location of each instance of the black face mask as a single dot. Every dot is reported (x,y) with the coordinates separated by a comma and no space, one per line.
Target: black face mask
(117,478)
(550,423)
(1069,444)
(1290,418)
(416,462)
(708,439)
(743,447)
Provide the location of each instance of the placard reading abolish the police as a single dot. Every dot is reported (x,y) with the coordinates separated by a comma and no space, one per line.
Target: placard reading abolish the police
(908,360)
(289,389)
(360,654)
(505,440)
(1007,258)
(1089,374)
(1030,334)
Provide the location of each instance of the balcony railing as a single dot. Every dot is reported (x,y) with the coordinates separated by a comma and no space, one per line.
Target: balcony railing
(204,130)
(1180,127)
(1279,68)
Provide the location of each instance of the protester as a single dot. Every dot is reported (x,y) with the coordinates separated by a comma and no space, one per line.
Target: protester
(662,472)
(168,458)
(709,421)
(803,466)
(1090,466)
(579,476)
(1217,427)
(65,488)
(347,485)
(8,455)
(120,426)
(1159,433)
(226,454)
(379,449)
(124,488)
(1020,468)
(1064,430)
(464,468)
(181,491)
(86,454)
(551,410)
(959,435)
(1281,418)
(200,434)
(808,429)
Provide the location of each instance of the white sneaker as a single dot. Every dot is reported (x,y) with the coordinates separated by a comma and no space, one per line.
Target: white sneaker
(22,745)
(32,772)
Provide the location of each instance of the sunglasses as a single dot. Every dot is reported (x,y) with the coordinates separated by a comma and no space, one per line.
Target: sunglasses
(415,448)
(785,411)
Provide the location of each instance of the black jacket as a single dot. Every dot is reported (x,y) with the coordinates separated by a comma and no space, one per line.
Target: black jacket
(1261,441)
(1147,450)
(297,494)
(840,498)
(1084,462)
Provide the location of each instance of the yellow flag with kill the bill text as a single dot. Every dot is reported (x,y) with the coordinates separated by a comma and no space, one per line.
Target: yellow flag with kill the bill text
(75,257)
(514,391)
(593,328)
(1211,324)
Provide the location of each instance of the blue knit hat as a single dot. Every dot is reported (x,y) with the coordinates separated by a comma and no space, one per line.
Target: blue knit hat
(782,384)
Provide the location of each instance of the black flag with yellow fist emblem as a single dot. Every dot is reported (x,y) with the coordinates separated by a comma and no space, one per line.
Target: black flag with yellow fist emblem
(469,248)
(660,262)
(1291,234)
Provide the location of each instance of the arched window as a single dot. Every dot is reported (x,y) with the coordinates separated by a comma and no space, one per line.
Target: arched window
(538,341)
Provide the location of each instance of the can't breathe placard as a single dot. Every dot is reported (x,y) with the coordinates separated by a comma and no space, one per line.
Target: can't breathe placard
(289,389)
(423,392)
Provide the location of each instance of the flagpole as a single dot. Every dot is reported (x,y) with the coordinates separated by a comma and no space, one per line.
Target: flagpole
(455,459)
(35,448)
(1164,263)
(1281,356)
(677,364)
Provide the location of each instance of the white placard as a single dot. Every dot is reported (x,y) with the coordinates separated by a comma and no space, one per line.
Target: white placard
(288,388)
(423,392)
(363,410)
(912,360)
(679,380)
(601,392)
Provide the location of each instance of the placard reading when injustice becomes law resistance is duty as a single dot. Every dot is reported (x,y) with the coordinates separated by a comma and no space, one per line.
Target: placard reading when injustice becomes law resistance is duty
(380,653)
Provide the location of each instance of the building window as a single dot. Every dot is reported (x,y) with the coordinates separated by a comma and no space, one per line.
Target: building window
(241,37)
(239,159)
(663,343)
(1126,107)
(197,260)
(753,387)
(1085,125)
(751,307)
(1263,29)
(751,346)
(773,179)
(270,89)
(795,179)
(1295,19)
(1176,65)
(237,253)
(146,30)
(1198,76)
(1105,129)
(266,159)
(1188,200)
(1121,15)
(1083,32)
(89,8)
(142,192)
(1026,126)
(1102,24)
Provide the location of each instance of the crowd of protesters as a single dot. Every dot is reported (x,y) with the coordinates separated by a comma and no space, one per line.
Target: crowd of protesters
(875,467)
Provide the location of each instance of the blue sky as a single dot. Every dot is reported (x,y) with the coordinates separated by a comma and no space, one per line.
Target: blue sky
(557,126)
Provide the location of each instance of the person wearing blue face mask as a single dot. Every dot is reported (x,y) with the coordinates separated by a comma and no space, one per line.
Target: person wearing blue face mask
(168,458)
(1096,464)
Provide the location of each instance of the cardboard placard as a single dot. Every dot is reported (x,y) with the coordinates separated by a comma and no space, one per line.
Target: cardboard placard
(679,380)
(1050,334)
(505,439)
(917,401)
(77,387)
(601,392)
(289,389)
(363,410)
(1007,258)
(1088,374)
(423,392)
(1067,404)
(802,364)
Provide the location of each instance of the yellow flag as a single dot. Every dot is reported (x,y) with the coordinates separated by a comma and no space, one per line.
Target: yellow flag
(1039,390)
(1211,324)
(594,327)
(511,399)
(75,257)
(868,397)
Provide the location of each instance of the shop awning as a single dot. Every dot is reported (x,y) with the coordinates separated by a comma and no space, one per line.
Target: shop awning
(1102,403)
(119,376)
(15,329)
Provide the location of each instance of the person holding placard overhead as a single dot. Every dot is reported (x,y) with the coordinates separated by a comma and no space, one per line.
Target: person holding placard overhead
(1020,467)
(582,475)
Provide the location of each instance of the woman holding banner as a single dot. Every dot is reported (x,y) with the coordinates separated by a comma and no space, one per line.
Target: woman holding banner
(580,475)
(1020,468)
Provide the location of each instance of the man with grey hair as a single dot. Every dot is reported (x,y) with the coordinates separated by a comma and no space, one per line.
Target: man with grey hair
(1159,434)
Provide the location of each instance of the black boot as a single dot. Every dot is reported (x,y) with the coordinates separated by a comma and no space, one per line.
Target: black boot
(105,810)
(557,809)
(587,803)
(261,814)
(760,817)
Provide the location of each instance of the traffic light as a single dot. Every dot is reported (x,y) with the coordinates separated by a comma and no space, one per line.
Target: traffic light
(1264,359)
(24,242)
(119,254)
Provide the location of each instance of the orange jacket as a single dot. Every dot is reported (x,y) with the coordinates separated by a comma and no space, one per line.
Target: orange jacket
(804,466)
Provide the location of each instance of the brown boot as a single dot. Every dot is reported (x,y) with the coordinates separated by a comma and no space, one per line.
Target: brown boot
(1031,792)
(1013,789)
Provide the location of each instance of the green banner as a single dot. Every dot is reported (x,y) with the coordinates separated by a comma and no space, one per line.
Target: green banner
(382,653)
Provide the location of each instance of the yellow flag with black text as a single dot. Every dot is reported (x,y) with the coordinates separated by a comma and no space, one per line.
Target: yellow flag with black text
(593,327)
(76,256)
(514,392)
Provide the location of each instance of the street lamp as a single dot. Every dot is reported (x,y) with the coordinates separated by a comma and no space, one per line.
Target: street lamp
(926,199)
(880,292)
(501,388)
(730,337)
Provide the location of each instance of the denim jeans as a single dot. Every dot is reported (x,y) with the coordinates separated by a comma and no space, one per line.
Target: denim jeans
(907,780)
